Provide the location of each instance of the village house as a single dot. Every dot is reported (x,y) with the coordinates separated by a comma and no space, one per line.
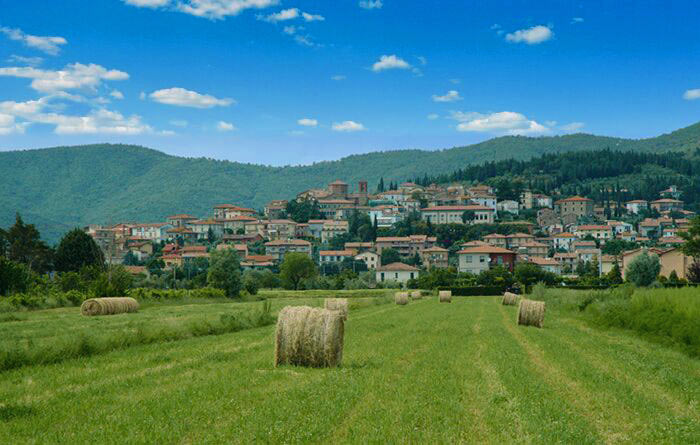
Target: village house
(628,236)
(189,253)
(620,227)
(276,209)
(435,257)
(564,240)
(385,215)
(371,259)
(279,248)
(531,200)
(237,223)
(228,211)
(334,256)
(671,259)
(154,232)
(242,238)
(533,249)
(407,246)
(359,246)
(172,260)
(508,206)
(484,200)
(186,234)
(281,229)
(496,239)
(547,264)
(453,214)
(257,262)
(576,205)
(514,240)
(566,259)
(599,232)
(330,207)
(480,258)
(636,206)
(606,263)
(398,272)
(180,220)
(203,227)
(332,229)
(104,237)
(241,249)
(650,228)
(666,205)
(257,227)
(671,192)
(141,249)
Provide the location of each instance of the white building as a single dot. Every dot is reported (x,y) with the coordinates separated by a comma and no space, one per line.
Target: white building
(508,206)
(371,259)
(636,206)
(453,214)
(398,272)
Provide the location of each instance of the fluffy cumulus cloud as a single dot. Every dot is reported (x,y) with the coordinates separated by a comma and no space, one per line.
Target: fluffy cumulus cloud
(97,121)
(312,17)
(451,96)
(306,122)
(74,76)
(30,61)
(209,9)
(504,122)
(572,127)
(185,98)
(531,36)
(282,16)
(692,94)
(9,126)
(117,94)
(49,45)
(348,126)
(391,62)
(371,4)
(225,126)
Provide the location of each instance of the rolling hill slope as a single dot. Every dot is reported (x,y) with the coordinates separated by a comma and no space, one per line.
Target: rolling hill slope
(59,188)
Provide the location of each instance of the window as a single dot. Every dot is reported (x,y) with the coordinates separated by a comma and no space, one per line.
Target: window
(469,258)
(482,259)
(411,275)
(382,276)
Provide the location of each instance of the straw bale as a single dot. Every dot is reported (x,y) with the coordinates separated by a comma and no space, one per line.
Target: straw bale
(531,313)
(401,298)
(445,296)
(509,299)
(308,336)
(337,304)
(109,306)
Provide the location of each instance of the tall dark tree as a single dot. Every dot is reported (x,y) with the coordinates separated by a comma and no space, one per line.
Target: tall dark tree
(380,186)
(24,245)
(76,250)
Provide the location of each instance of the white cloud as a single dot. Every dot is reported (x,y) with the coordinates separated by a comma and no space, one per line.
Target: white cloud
(433,116)
(573,127)
(338,77)
(451,96)
(30,61)
(577,20)
(312,17)
(306,122)
(9,126)
(371,4)
(73,76)
(47,44)
(142,95)
(291,29)
(390,62)
(505,122)
(185,98)
(348,126)
(209,9)
(147,3)
(284,15)
(692,94)
(98,121)
(179,123)
(225,126)
(531,36)
(498,28)
(305,40)
(117,94)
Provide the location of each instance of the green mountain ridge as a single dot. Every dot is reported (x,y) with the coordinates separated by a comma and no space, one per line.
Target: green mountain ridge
(63,187)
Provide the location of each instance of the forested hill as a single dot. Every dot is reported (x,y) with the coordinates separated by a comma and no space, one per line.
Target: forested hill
(59,188)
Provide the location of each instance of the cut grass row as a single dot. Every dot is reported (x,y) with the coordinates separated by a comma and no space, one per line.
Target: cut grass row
(423,373)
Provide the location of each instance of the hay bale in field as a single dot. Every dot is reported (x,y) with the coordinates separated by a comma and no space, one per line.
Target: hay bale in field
(445,296)
(531,313)
(509,299)
(401,298)
(416,295)
(109,306)
(308,336)
(337,304)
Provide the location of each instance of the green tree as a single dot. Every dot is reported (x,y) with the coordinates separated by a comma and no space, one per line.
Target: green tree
(225,271)
(295,268)
(115,282)
(390,255)
(77,249)
(14,277)
(495,276)
(644,269)
(24,245)
(468,216)
(691,246)
(615,275)
(529,274)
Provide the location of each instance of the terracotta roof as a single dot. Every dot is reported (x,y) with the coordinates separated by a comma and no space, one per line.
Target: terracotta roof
(336,253)
(668,201)
(544,261)
(194,249)
(565,235)
(495,235)
(485,249)
(594,227)
(574,199)
(241,218)
(565,255)
(259,258)
(182,216)
(398,267)
(335,201)
(520,235)
(338,182)
(290,242)
(135,269)
(435,249)
(637,201)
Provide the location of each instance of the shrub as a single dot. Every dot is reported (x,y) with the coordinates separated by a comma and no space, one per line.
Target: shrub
(644,269)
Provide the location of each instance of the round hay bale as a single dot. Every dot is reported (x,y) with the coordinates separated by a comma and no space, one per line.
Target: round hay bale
(445,296)
(416,295)
(509,299)
(531,313)
(109,306)
(337,304)
(401,298)
(308,336)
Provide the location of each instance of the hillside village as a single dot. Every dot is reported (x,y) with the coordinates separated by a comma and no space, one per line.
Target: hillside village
(407,229)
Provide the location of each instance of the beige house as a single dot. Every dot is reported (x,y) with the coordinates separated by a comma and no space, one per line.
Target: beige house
(333,228)
(576,205)
(405,245)
(564,240)
(453,214)
(279,248)
(599,232)
(548,264)
(480,258)
(435,257)
(670,259)
(228,211)
(334,256)
(371,259)
(398,272)
(496,239)
(281,229)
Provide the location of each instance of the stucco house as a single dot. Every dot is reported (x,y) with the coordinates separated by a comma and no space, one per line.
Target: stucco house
(399,272)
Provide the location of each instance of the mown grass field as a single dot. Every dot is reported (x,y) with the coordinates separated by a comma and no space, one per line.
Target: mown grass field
(422,373)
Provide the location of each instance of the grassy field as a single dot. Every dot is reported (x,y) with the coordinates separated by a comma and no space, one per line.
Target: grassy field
(423,373)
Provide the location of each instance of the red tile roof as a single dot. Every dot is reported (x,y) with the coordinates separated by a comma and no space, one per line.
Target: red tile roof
(485,249)
(398,267)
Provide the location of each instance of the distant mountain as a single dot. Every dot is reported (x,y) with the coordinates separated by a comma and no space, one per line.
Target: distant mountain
(63,187)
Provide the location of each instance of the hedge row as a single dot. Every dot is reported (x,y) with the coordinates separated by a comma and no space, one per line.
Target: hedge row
(473,291)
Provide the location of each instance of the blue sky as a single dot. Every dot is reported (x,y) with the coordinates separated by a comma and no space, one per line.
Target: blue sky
(287,82)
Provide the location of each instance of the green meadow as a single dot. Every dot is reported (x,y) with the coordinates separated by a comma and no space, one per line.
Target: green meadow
(422,373)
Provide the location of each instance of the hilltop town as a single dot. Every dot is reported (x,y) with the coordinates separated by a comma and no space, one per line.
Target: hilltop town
(404,230)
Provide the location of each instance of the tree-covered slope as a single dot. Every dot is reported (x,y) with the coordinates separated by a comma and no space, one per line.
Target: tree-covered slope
(58,188)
